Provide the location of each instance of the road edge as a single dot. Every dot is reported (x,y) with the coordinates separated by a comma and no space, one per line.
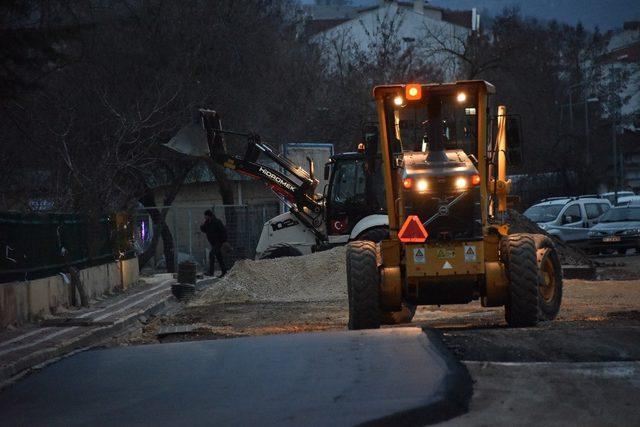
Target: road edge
(454,396)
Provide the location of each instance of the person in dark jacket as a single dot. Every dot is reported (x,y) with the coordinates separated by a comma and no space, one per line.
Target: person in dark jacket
(216,235)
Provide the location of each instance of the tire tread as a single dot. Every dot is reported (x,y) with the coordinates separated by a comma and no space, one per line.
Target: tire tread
(519,255)
(363,279)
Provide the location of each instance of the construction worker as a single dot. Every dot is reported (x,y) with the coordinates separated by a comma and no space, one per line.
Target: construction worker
(217,236)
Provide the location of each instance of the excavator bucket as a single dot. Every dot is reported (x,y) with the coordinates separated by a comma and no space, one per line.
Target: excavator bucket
(200,139)
(191,140)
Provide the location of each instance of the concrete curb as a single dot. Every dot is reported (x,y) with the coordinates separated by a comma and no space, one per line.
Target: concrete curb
(10,373)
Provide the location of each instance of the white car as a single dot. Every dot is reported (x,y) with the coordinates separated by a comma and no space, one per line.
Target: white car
(611,196)
(568,218)
(628,201)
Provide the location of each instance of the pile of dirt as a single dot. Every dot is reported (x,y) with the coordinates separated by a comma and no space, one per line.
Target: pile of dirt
(568,254)
(317,277)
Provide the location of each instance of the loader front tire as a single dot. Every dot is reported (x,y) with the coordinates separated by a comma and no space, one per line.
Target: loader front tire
(375,235)
(363,279)
(518,252)
(549,278)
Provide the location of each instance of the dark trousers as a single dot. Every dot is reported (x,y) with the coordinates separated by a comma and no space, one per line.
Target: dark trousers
(216,253)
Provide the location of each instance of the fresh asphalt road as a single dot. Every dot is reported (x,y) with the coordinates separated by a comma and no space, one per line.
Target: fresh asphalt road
(388,376)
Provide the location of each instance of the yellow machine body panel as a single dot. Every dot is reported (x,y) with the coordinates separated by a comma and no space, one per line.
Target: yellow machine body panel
(454,259)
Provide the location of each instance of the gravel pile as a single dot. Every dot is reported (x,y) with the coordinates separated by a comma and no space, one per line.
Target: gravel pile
(568,254)
(322,276)
(317,277)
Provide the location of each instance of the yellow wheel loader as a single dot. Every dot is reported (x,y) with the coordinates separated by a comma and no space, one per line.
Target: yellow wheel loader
(444,165)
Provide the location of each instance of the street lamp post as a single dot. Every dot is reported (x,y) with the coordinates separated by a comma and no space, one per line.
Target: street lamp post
(586,126)
(586,102)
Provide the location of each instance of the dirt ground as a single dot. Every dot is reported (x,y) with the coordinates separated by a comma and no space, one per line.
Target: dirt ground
(589,309)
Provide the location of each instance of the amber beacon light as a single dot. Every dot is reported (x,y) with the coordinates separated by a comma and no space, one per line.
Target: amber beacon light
(413,92)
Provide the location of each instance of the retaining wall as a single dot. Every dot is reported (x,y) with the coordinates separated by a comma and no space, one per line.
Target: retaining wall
(28,301)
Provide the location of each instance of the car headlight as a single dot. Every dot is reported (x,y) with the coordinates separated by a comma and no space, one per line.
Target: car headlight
(631,231)
(596,233)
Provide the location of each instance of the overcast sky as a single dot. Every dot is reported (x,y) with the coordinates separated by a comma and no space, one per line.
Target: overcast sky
(606,14)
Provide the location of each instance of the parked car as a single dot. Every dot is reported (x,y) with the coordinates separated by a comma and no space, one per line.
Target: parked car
(628,201)
(611,196)
(568,218)
(618,229)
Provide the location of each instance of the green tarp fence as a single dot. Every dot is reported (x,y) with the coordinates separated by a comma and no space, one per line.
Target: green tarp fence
(31,245)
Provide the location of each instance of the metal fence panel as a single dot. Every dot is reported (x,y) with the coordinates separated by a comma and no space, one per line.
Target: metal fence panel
(31,244)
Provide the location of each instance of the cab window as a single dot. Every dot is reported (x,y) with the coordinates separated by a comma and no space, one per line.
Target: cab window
(571,214)
(349,183)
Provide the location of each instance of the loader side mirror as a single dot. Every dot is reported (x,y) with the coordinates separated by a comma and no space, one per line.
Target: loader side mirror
(514,141)
(327,171)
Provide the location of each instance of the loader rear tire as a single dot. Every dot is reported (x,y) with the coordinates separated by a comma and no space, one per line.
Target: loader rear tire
(549,278)
(518,252)
(280,250)
(363,279)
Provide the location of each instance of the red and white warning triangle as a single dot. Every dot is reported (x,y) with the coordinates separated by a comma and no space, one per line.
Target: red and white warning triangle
(447,266)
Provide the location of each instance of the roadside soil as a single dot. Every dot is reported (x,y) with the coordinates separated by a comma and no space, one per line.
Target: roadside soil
(596,317)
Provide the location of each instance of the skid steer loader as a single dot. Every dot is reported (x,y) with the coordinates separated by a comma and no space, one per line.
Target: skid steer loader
(446,195)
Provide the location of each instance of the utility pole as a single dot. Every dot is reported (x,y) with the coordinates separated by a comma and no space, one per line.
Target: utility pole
(570,110)
(586,129)
(614,136)
(615,160)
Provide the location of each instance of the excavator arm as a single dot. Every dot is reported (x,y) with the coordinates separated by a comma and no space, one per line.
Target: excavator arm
(300,196)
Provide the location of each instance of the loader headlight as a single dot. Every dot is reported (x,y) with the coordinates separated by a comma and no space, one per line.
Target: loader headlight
(422,185)
(461,183)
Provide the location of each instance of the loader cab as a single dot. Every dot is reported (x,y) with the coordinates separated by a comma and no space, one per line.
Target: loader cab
(354,192)
(435,138)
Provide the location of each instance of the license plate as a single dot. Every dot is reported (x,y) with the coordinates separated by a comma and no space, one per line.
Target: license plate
(446,253)
(611,239)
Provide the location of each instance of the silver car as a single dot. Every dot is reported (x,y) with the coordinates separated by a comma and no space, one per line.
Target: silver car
(568,218)
(617,230)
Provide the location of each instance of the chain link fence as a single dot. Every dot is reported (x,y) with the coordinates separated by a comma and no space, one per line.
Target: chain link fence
(244,225)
